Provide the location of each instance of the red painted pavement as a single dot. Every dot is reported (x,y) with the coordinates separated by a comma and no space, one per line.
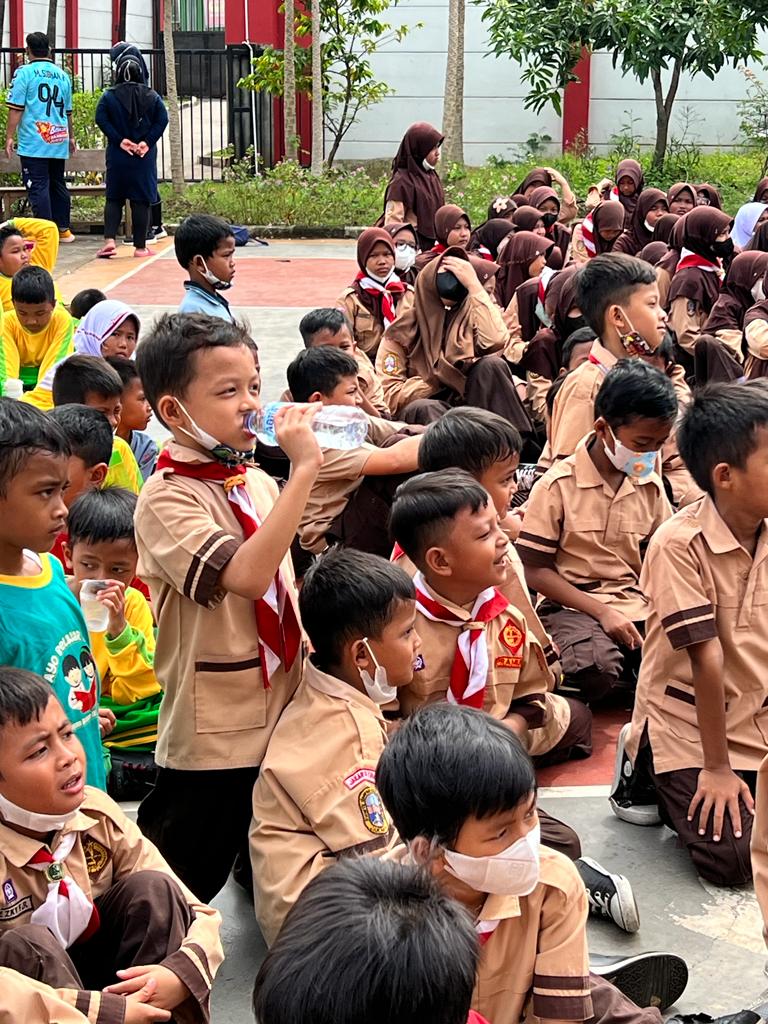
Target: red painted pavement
(257,282)
(598,769)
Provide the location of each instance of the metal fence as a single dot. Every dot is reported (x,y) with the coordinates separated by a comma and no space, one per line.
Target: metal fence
(217,118)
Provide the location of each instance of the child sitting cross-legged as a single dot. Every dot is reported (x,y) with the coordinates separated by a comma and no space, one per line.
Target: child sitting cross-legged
(315,799)
(101,546)
(92,907)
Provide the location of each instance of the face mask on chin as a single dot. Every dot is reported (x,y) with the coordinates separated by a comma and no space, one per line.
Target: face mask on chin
(513,872)
(376,278)
(633,341)
(20,816)
(213,281)
(377,686)
(636,465)
(223,453)
(427,165)
(758,291)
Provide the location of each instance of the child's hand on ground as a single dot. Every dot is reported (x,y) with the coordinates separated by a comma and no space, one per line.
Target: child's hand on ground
(719,790)
(293,429)
(620,628)
(169,991)
(139,1008)
(113,596)
(107,721)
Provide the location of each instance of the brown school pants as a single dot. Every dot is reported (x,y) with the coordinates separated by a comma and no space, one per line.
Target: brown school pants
(575,743)
(612,1007)
(144,919)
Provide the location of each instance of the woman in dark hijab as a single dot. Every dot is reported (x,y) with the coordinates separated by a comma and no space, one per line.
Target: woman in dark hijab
(452,228)
(547,176)
(132,117)
(598,231)
(681,198)
(696,284)
(415,192)
(406,250)
(547,202)
(524,256)
(662,229)
(488,237)
(653,253)
(708,195)
(651,206)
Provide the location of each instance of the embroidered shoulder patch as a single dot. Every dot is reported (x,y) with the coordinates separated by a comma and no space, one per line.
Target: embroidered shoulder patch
(419,664)
(96,855)
(391,363)
(372,810)
(360,775)
(512,636)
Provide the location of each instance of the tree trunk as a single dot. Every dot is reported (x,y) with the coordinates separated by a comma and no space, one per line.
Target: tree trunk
(172,100)
(122,18)
(289,85)
(453,106)
(664,105)
(317,92)
(51,30)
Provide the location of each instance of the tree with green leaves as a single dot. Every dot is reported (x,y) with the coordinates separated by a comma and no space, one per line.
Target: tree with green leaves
(658,41)
(351,31)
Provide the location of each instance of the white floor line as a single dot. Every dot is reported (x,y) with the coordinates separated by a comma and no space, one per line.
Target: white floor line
(573,792)
(140,264)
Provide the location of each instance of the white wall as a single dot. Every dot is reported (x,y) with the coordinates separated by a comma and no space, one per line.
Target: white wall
(495,120)
(95,17)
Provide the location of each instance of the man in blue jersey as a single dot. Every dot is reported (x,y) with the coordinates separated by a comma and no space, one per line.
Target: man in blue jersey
(40,108)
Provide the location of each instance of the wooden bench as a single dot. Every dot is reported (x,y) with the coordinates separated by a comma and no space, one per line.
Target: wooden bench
(84,161)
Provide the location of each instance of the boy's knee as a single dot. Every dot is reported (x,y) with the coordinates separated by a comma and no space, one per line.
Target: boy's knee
(726,862)
(589,658)
(28,944)
(157,892)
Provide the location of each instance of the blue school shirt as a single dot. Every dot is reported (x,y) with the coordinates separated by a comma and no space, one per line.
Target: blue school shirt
(44,92)
(198,300)
(42,629)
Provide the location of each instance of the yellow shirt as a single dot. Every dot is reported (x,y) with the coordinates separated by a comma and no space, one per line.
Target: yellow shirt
(126,662)
(123,468)
(45,235)
(32,355)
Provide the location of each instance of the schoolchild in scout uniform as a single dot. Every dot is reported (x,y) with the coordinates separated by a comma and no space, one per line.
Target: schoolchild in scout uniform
(213,538)
(699,731)
(87,902)
(587,522)
(316,799)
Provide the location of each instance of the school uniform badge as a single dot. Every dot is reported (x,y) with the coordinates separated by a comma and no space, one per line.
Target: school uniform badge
(96,856)
(391,363)
(372,810)
(512,637)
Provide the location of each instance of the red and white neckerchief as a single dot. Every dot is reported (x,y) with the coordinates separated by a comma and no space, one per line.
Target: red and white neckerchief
(593,359)
(385,292)
(276,620)
(438,247)
(469,672)
(614,195)
(588,235)
(691,260)
(67,913)
(397,553)
(484,252)
(545,278)
(485,930)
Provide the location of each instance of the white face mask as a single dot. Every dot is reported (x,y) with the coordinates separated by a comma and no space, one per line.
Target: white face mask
(405,256)
(758,292)
(636,465)
(376,278)
(377,685)
(513,872)
(427,165)
(648,227)
(223,453)
(15,815)
(210,277)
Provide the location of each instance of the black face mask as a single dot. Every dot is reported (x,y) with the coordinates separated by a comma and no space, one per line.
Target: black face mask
(723,249)
(548,219)
(449,287)
(575,323)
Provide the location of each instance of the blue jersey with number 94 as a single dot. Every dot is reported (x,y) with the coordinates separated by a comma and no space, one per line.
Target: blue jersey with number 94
(44,92)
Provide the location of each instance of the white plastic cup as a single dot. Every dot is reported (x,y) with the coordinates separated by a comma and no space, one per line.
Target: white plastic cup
(13,388)
(95,613)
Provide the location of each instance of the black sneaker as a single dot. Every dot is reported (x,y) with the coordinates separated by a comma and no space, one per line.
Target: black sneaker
(648,979)
(158,233)
(152,237)
(133,774)
(610,896)
(630,800)
(741,1017)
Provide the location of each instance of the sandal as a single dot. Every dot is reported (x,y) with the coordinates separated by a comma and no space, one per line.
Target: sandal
(106,252)
(142,253)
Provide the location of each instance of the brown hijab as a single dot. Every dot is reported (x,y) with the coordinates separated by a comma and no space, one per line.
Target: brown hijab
(608,215)
(653,253)
(629,169)
(759,241)
(365,244)
(437,341)
(417,189)
(409,233)
(521,250)
(669,262)
(637,234)
(485,269)
(544,354)
(736,296)
(712,194)
(677,188)
(501,206)
(700,229)
(662,230)
(538,176)
(525,218)
(558,232)
(446,219)
(762,188)
(490,235)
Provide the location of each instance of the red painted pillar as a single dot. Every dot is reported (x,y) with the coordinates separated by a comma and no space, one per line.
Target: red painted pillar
(16,22)
(72,25)
(115,21)
(576,99)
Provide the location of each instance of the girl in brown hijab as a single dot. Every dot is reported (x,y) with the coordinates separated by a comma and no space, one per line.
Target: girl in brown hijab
(452,228)
(377,295)
(756,337)
(414,192)
(696,284)
(662,229)
(501,207)
(488,237)
(629,184)
(651,206)
(708,195)
(528,218)
(742,288)
(524,256)
(681,198)
(443,347)
(547,202)
(761,192)
(406,250)
(597,232)
(759,241)
(548,176)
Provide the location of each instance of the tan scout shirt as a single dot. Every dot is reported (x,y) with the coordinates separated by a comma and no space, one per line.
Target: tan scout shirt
(22,999)
(316,798)
(760,844)
(369,384)
(215,711)
(366,329)
(686,318)
(110,847)
(518,676)
(701,584)
(573,413)
(536,963)
(591,536)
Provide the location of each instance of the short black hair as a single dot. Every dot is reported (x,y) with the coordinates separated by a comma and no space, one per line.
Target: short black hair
(80,376)
(200,234)
(24,696)
(632,389)
(102,515)
(446,764)
(325,319)
(346,595)
(607,279)
(88,432)
(166,358)
(468,438)
(426,505)
(33,285)
(38,44)
(84,302)
(370,941)
(8,231)
(720,425)
(319,369)
(125,367)
(579,337)
(25,431)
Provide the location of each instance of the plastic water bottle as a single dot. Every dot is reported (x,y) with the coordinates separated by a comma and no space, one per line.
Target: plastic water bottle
(335,426)
(13,388)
